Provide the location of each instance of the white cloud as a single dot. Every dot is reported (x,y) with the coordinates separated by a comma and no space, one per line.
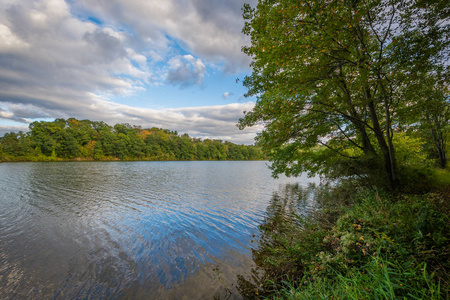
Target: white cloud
(54,63)
(138,58)
(65,57)
(218,122)
(210,29)
(9,41)
(227,95)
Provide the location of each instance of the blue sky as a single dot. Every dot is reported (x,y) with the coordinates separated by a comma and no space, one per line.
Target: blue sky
(170,64)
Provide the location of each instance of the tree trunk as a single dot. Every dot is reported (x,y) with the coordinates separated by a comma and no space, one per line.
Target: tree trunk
(367,146)
(388,153)
(389,136)
(438,141)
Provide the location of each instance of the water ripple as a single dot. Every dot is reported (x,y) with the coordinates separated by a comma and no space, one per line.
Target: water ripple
(115,229)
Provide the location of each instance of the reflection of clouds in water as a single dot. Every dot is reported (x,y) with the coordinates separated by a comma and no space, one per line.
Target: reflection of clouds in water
(211,280)
(98,229)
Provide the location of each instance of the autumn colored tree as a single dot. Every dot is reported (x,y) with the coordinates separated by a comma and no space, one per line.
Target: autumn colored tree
(329,77)
(72,138)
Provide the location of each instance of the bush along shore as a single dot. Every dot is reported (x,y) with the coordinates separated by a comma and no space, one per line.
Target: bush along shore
(359,243)
(345,94)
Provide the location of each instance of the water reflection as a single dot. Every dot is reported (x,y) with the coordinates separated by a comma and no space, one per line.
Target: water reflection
(130,229)
(287,208)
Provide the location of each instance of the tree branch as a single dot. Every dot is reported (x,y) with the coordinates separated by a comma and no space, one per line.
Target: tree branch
(334,150)
(348,138)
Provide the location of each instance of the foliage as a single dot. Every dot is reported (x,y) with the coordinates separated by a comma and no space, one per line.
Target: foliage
(337,74)
(379,247)
(378,279)
(441,178)
(427,116)
(415,167)
(92,140)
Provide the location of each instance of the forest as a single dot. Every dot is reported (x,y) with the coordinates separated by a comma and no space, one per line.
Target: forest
(350,89)
(358,93)
(74,139)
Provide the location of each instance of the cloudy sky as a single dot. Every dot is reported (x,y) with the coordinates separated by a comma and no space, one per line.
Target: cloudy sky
(166,63)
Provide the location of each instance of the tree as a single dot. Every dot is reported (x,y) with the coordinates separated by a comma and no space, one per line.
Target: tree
(185,149)
(437,117)
(330,73)
(82,131)
(107,141)
(45,135)
(66,144)
(427,116)
(121,146)
(16,144)
(202,150)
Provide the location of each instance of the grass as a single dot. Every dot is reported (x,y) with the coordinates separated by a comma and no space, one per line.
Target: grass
(378,279)
(441,177)
(361,244)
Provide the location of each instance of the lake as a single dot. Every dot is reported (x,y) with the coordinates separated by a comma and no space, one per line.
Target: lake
(141,230)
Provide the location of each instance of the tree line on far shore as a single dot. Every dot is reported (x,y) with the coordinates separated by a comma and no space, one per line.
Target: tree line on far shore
(73,139)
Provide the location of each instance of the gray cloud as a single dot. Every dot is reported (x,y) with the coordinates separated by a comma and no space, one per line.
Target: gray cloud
(8,129)
(6,114)
(28,111)
(214,122)
(210,30)
(104,45)
(54,65)
(185,70)
(56,61)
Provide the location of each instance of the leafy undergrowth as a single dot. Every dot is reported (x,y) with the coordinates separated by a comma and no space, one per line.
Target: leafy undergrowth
(373,245)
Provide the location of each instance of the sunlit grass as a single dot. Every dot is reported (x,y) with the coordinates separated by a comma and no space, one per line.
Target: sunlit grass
(378,279)
(441,177)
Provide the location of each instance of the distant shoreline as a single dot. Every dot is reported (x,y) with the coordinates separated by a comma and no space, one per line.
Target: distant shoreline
(88,159)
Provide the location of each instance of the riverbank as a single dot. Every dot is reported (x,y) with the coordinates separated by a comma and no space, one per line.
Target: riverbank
(361,243)
(106,158)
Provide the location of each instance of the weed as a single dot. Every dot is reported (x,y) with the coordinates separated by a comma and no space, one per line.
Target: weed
(375,246)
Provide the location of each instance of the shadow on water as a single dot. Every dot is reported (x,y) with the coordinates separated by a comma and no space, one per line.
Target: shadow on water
(139,230)
(290,206)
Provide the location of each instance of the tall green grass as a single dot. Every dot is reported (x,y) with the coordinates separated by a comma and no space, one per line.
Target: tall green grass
(362,245)
(378,279)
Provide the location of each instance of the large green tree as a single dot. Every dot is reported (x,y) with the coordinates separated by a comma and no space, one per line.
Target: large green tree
(427,116)
(329,76)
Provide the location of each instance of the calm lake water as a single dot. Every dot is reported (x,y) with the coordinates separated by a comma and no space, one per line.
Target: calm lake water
(141,230)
